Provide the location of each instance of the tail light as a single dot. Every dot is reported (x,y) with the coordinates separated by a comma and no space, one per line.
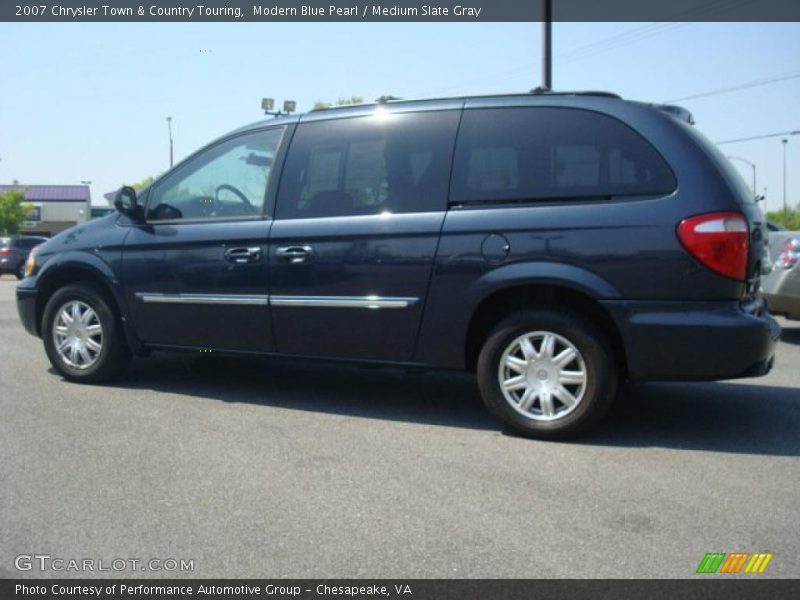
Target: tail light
(718,240)
(5,251)
(790,255)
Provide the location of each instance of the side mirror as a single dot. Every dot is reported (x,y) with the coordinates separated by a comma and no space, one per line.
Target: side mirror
(126,203)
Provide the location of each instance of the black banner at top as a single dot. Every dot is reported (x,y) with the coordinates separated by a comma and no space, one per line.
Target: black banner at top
(337,11)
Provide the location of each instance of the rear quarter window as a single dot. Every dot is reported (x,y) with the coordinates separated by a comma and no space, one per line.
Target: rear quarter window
(541,154)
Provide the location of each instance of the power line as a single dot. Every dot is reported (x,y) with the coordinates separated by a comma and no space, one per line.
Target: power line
(617,41)
(613,42)
(610,43)
(759,137)
(643,32)
(742,86)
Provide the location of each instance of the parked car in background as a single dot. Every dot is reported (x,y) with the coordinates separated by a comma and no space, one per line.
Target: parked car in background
(556,244)
(14,252)
(781,288)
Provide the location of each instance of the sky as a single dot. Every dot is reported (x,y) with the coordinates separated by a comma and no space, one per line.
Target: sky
(89,101)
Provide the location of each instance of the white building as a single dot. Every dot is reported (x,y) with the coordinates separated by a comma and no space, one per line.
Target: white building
(55,207)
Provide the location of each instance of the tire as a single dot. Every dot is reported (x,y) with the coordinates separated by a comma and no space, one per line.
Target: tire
(103,364)
(20,272)
(589,377)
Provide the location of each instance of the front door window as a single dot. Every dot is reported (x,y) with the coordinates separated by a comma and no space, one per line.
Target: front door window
(226,181)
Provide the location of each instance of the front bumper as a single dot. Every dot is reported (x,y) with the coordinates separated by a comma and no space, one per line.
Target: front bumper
(26,306)
(694,341)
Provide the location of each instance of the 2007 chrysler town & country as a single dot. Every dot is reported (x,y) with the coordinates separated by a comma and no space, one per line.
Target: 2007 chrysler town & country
(557,244)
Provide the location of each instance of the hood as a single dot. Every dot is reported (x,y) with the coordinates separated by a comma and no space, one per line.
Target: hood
(78,236)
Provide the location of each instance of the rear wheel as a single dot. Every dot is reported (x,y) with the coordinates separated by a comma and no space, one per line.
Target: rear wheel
(82,335)
(547,373)
(20,272)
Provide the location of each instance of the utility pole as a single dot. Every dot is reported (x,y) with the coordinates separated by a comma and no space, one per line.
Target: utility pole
(784,141)
(547,45)
(169,127)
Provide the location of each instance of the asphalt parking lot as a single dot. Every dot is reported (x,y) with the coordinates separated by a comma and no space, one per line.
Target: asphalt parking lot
(277,468)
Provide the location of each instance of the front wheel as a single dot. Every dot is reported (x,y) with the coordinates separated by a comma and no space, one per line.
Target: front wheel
(82,336)
(547,373)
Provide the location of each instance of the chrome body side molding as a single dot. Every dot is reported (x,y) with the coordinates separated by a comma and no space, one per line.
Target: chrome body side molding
(372,302)
(228,299)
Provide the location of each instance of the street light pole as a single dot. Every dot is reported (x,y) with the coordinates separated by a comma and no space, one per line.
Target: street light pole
(784,141)
(169,127)
(752,166)
(547,45)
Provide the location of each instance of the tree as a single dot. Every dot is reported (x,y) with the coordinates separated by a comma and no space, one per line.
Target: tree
(13,211)
(790,219)
(319,104)
(143,183)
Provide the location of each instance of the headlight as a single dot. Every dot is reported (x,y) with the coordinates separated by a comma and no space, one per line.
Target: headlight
(30,264)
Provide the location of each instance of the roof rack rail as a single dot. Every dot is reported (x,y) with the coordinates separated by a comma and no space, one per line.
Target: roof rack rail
(380,100)
(536,91)
(545,91)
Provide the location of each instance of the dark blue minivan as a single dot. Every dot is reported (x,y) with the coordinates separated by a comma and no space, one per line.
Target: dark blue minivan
(556,244)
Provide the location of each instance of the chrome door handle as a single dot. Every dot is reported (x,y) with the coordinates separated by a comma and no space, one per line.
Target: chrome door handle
(243,255)
(295,254)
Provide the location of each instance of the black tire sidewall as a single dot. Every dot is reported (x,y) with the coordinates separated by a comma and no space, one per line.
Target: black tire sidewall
(594,348)
(111,355)
(20,271)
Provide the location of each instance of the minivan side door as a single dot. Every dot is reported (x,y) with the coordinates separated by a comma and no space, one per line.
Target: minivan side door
(196,273)
(359,212)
